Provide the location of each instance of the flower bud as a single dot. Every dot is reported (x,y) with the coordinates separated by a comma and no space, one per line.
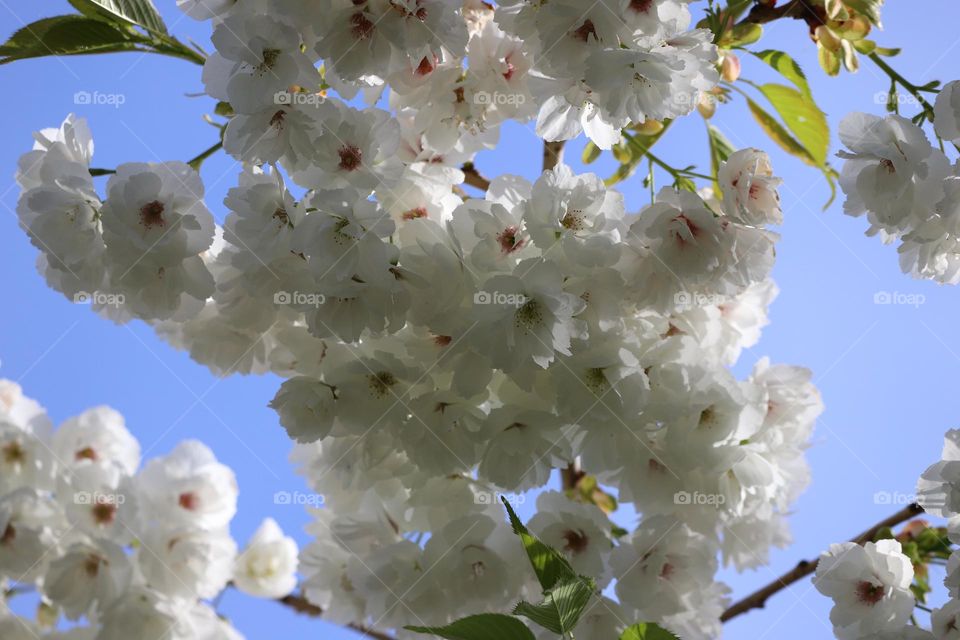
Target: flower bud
(730,67)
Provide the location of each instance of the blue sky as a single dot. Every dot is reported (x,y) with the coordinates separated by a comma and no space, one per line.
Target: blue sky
(888,373)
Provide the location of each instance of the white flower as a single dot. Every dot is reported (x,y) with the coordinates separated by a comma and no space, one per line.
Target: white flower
(88,574)
(261,58)
(947,112)
(945,621)
(580,531)
(750,188)
(25,459)
(143,612)
(189,487)
(267,567)
(663,567)
(892,172)
(187,563)
(477,558)
(870,587)
(31,524)
(97,435)
(525,316)
(155,226)
(307,407)
(938,489)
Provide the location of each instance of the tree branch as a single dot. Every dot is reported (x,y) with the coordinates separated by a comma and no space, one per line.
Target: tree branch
(766,12)
(300,605)
(552,154)
(758,599)
(473,177)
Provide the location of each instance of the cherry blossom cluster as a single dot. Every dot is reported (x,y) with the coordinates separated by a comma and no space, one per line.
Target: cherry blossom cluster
(117,551)
(908,187)
(439,350)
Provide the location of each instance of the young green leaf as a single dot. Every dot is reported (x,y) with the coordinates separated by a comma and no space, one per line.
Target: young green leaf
(484,626)
(787,67)
(561,609)
(549,565)
(778,134)
(803,118)
(141,13)
(64,36)
(646,631)
(720,149)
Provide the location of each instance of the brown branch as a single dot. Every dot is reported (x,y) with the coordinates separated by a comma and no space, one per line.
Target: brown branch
(473,177)
(552,154)
(758,599)
(300,605)
(765,12)
(571,475)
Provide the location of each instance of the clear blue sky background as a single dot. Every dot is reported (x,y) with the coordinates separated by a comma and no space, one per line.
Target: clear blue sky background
(888,373)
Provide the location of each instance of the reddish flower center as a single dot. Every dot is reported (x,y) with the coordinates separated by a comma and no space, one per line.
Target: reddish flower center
(350,158)
(869,593)
(151,215)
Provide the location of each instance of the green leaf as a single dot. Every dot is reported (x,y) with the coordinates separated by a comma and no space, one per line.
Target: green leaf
(741,34)
(778,134)
(64,36)
(561,609)
(646,631)
(141,13)
(787,67)
(550,566)
(720,149)
(803,118)
(485,626)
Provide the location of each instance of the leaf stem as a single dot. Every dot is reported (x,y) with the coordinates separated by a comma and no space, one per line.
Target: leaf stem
(896,78)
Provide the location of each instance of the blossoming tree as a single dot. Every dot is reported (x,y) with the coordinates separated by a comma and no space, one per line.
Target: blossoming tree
(447,338)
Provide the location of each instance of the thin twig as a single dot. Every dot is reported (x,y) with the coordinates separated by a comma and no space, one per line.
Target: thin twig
(473,177)
(758,599)
(552,154)
(300,605)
